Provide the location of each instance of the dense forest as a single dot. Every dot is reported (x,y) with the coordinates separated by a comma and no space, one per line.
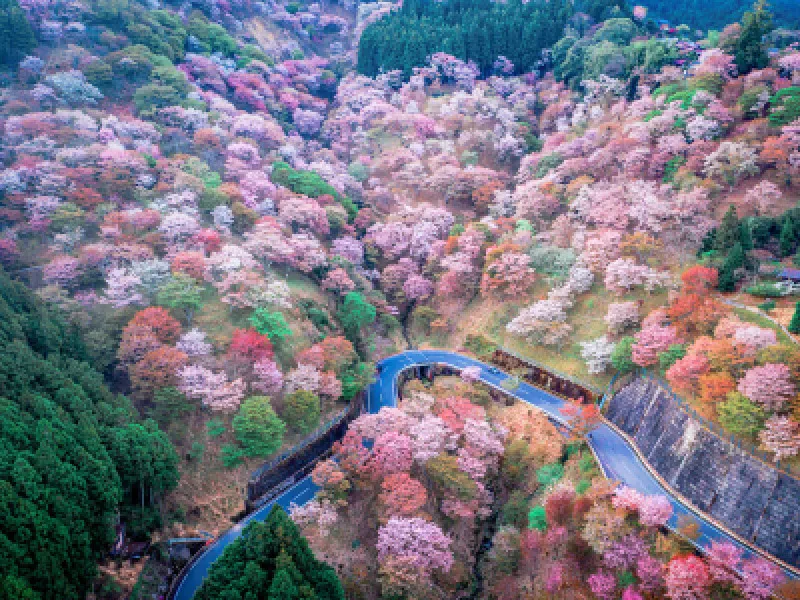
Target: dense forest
(716,15)
(476,30)
(72,455)
(271,561)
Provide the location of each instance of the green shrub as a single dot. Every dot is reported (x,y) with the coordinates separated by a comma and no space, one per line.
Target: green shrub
(550,474)
(767,306)
(537,519)
(765,290)
(231,456)
(257,428)
(215,428)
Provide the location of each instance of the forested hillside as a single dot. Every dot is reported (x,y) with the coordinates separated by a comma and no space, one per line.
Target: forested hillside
(476,30)
(72,456)
(231,210)
(719,13)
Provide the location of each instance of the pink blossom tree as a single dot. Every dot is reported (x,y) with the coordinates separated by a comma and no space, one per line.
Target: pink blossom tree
(769,385)
(760,579)
(193,343)
(338,281)
(687,578)
(781,435)
(391,453)
(724,561)
(623,554)
(510,274)
(650,572)
(268,377)
(350,249)
(420,542)
(122,288)
(303,377)
(764,196)
(417,287)
(655,511)
(429,436)
(621,315)
(603,585)
(650,342)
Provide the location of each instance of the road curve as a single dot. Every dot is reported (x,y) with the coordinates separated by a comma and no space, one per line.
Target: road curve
(618,460)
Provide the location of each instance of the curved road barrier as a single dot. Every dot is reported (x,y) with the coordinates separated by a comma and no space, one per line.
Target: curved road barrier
(617,458)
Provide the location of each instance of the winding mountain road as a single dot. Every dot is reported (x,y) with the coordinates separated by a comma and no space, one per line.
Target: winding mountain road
(618,460)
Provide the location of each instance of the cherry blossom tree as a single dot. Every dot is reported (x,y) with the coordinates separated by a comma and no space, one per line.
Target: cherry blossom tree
(781,435)
(724,561)
(764,196)
(627,498)
(510,274)
(122,288)
(687,578)
(350,249)
(543,321)
(303,377)
(429,436)
(338,281)
(760,579)
(651,341)
(650,572)
(391,453)
(213,389)
(422,543)
(623,554)
(597,354)
(268,377)
(603,585)
(194,343)
(621,315)
(753,338)
(655,511)
(623,274)
(417,287)
(62,270)
(731,162)
(769,385)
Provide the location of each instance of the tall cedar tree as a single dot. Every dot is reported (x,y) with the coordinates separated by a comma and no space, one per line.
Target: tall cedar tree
(16,35)
(270,560)
(751,50)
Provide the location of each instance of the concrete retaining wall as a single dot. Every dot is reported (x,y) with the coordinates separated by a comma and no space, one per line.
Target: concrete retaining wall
(753,499)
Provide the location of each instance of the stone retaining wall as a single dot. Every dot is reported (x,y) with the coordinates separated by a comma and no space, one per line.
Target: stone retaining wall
(754,500)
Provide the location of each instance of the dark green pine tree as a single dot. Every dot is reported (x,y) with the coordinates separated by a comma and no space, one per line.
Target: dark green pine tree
(745,236)
(728,231)
(282,587)
(751,50)
(788,235)
(277,564)
(16,35)
(727,276)
(794,325)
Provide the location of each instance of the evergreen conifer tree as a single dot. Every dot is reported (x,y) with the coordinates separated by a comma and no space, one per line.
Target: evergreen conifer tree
(794,325)
(751,51)
(16,35)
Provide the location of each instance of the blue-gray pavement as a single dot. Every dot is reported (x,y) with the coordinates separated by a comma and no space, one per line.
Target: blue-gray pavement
(618,460)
